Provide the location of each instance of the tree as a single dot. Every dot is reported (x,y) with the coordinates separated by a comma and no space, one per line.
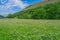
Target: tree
(10,16)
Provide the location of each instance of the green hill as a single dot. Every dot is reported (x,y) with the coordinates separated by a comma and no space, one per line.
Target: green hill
(43,3)
(48,9)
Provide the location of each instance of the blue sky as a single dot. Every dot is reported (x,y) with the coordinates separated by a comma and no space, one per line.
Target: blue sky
(12,6)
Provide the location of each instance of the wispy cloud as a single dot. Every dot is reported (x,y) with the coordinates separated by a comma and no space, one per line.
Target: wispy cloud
(12,6)
(12,3)
(20,3)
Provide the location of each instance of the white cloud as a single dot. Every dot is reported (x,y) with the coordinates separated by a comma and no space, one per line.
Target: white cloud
(12,3)
(20,3)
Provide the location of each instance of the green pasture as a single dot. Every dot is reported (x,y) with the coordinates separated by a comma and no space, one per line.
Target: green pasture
(29,29)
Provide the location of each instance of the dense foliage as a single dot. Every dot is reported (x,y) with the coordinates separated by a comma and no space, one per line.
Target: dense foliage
(49,11)
(10,16)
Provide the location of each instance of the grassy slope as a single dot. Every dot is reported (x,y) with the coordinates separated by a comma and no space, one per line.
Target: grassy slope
(41,4)
(23,29)
(36,5)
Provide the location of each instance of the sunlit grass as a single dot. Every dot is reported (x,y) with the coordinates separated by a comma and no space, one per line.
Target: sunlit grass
(28,29)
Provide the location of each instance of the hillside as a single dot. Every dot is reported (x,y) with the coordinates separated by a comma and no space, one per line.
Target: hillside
(43,3)
(48,9)
(1,16)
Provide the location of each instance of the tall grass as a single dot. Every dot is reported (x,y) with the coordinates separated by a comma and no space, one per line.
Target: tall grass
(27,29)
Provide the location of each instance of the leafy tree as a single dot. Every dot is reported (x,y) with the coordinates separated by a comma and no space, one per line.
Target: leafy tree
(10,16)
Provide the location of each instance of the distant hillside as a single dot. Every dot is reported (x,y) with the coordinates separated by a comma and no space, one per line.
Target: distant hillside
(4,15)
(1,16)
(48,9)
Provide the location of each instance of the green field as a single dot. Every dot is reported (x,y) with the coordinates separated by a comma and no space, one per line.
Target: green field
(28,29)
